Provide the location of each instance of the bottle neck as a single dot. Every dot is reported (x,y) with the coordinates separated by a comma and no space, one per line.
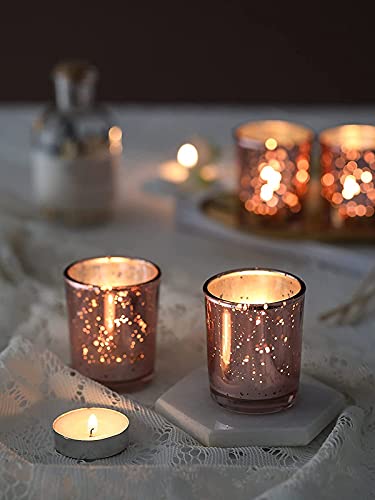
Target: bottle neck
(71,95)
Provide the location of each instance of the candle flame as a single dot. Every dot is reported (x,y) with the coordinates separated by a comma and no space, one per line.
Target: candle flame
(187,155)
(92,425)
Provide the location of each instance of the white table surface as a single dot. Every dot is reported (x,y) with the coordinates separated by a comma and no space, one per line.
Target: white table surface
(145,223)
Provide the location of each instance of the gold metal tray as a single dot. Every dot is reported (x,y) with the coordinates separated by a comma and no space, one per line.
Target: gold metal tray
(224,207)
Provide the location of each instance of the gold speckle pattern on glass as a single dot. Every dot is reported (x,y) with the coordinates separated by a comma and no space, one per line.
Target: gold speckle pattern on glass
(254,338)
(274,169)
(348,170)
(112,308)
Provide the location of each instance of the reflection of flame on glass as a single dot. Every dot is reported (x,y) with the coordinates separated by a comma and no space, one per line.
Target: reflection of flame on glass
(266,192)
(366,177)
(328,179)
(187,155)
(273,179)
(302,176)
(272,176)
(109,312)
(226,340)
(271,143)
(351,137)
(351,187)
(115,134)
(92,425)
(115,140)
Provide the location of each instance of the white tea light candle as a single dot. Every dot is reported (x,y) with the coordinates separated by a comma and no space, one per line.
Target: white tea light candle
(91,433)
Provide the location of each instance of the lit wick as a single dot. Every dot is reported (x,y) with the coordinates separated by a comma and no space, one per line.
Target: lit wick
(92,425)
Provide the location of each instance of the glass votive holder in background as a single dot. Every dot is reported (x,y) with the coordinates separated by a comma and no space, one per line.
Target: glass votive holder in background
(112,307)
(274,163)
(254,338)
(347,175)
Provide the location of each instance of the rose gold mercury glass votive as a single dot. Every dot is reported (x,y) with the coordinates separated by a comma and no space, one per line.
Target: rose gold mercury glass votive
(254,338)
(112,308)
(348,175)
(274,163)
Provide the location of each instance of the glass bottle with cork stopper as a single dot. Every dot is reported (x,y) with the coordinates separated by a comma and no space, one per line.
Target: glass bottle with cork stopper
(75,151)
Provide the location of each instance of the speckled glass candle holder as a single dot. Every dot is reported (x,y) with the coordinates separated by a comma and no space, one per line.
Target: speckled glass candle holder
(112,308)
(274,170)
(254,338)
(348,175)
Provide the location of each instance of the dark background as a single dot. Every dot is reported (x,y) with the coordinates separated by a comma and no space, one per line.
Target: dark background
(237,52)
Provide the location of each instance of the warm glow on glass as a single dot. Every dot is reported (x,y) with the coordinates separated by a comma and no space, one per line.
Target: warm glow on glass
(302,176)
(115,140)
(115,148)
(112,305)
(366,177)
(254,333)
(115,134)
(109,312)
(351,138)
(271,143)
(348,162)
(272,176)
(351,187)
(187,155)
(328,179)
(266,192)
(254,286)
(337,198)
(226,339)
(274,159)
(92,425)
(303,164)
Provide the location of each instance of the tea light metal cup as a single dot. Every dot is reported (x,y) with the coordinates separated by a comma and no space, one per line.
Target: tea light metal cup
(91,433)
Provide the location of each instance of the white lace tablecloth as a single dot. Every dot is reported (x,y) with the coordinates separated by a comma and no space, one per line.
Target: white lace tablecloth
(162,461)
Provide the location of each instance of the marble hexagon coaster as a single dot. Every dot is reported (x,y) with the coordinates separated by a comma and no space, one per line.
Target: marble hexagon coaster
(188,405)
